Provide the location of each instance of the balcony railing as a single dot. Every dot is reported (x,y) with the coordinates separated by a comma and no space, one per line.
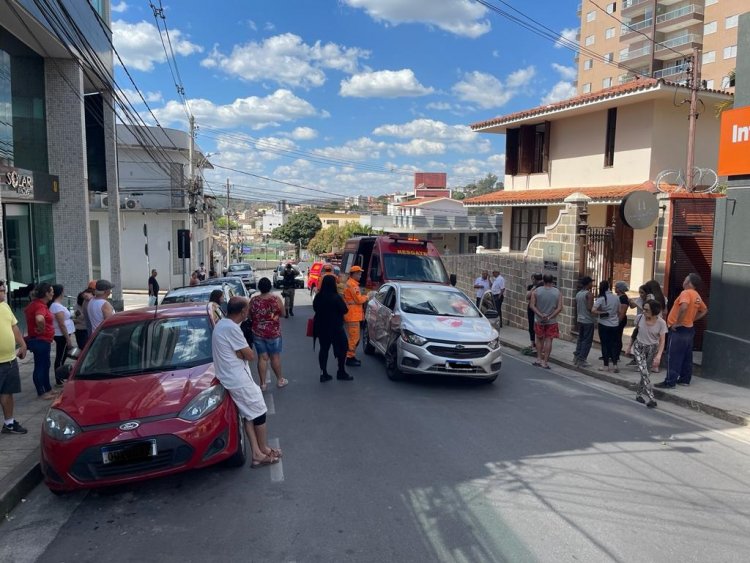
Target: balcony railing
(679,12)
(680,41)
(630,55)
(638,26)
(670,71)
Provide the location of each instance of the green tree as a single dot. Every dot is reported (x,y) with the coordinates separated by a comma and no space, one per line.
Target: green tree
(299,229)
(334,237)
(486,185)
(221,223)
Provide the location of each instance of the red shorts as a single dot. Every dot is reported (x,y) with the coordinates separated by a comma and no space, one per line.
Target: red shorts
(551,330)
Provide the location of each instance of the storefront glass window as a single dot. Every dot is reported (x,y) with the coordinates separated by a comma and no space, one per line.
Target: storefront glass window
(29,119)
(43,237)
(6,111)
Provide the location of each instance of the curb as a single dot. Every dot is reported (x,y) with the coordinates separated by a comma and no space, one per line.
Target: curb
(20,482)
(699,406)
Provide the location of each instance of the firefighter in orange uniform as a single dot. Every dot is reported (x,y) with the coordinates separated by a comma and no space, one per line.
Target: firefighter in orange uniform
(355,315)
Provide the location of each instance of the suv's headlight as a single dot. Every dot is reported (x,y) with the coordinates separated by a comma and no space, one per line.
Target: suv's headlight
(411,338)
(494,344)
(204,403)
(59,426)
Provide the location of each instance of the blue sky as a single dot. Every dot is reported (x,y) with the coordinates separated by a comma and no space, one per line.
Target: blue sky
(344,97)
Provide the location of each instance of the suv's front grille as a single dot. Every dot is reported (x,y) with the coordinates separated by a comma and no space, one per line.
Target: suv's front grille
(457,353)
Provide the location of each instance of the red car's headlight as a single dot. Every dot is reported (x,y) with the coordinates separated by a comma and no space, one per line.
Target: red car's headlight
(204,403)
(59,426)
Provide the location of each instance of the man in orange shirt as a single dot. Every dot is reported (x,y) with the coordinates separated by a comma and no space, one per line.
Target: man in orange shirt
(686,310)
(355,315)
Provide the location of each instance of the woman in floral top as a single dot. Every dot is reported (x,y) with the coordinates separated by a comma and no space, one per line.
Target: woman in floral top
(265,311)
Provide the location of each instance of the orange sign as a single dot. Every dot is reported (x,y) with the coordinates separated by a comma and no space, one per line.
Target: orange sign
(734,142)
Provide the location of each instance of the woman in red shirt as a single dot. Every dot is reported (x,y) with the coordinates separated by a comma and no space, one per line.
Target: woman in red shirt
(41,332)
(265,311)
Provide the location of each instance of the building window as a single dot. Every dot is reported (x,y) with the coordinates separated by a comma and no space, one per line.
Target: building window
(98,6)
(709,28)
(730,52)
(591,16)
(611,7)
(607,83)
(587,88)
(609,33)
(709,84)
(589,40)
(588,64)
(526,222)
(709,57)
(711,2)
(176,262)
(609,57)
(527,149)
(731,21)
(609,144)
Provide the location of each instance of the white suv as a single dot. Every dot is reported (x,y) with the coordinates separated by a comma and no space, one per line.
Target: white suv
(244,271)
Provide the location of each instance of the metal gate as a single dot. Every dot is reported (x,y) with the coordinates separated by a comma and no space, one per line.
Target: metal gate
(597,257)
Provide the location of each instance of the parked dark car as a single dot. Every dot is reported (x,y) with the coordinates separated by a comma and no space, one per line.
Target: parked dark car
(278,277)
(197,293)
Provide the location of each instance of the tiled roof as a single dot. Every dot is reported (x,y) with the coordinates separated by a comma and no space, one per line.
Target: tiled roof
(641,84)
(555,196)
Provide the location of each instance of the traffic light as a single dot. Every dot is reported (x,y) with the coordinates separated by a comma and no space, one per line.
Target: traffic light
(183,243)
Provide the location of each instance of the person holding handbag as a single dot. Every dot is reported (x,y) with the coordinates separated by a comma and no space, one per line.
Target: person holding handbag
(648,348)
(64,329)
(328,327)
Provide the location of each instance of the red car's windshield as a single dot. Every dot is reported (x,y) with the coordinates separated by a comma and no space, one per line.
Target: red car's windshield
(147,346)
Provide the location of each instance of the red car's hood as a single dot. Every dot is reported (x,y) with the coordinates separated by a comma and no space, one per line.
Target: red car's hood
(103,401)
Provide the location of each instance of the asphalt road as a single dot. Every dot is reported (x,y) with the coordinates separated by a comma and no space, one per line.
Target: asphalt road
(539,466)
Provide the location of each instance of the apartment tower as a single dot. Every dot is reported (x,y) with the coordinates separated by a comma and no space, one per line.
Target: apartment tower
(656,38)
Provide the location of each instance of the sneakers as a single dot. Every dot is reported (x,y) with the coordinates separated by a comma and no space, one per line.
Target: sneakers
(353,362)
(683,383)
(583,364)
(344,376)
(641,400)
(325,377)
(651,404)
(14,428)
(664,385)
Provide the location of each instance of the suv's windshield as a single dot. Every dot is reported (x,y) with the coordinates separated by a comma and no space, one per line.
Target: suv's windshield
(413,267)
(239,267)
(190,295)
(146,347)
(435,302)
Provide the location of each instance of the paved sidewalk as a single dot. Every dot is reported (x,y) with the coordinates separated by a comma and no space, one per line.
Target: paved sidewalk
(721,400)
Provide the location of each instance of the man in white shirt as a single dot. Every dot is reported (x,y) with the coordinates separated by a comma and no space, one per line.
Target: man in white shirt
(482,284)
(231,356)
(498,293)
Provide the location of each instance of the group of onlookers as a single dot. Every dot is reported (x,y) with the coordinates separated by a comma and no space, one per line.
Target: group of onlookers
(47,321)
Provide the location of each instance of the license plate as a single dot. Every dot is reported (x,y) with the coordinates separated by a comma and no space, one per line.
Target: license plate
(129,453)
(457,365)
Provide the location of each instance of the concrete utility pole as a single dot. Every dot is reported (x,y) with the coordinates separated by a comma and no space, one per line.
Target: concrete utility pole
(191,188)
(695,85)
(229,241)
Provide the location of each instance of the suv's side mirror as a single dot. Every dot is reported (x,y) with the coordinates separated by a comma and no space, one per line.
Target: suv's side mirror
(491,314)
(453,279)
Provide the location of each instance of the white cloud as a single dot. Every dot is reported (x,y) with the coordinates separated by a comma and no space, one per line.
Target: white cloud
(303,134)
(119,8)
(565,72)
(567,36)
(355,150)
(254,112)
(286,59)
(560,91)
(135,99)
(439,106)
(460,17)
(496,54)
(487,91)
(384,84)
(420,147)
(140,47)
(459,138)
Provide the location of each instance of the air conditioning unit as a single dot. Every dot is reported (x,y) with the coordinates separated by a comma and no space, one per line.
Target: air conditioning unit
(130,203)
(99,200)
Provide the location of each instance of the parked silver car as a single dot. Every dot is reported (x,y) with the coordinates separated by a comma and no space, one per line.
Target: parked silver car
(431,329)
(243,271)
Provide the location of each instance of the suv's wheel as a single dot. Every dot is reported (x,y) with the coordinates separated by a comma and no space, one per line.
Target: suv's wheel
(239,457)
(391,364)
(367,346)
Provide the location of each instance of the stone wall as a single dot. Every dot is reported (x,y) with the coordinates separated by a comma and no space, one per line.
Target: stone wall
(518,267)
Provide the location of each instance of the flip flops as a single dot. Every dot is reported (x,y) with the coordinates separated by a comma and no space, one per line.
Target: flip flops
(282,383)
(268,460)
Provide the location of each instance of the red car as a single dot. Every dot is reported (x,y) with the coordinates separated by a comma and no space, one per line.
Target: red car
(142,401)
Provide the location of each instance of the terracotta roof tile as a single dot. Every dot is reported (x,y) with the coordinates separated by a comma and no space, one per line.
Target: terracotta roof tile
(420,201)
(556,195)
(637,85)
